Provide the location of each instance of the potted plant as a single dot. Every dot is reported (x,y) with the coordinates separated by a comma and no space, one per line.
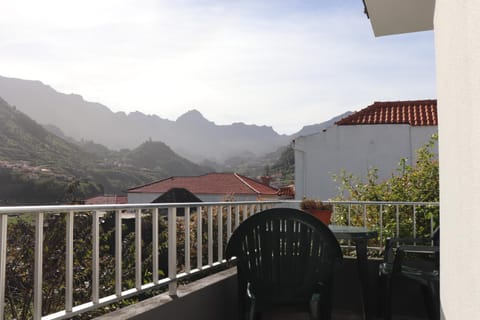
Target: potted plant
(318,209)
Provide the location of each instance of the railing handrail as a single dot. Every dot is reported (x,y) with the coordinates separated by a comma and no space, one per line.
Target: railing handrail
(112,207)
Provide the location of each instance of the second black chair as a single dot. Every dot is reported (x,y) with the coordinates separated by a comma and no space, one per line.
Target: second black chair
(284,257)
(412,259)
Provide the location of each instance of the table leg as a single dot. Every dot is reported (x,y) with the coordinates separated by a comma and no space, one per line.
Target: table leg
(361,248)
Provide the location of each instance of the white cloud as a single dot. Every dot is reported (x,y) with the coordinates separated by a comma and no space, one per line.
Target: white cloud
(273,63)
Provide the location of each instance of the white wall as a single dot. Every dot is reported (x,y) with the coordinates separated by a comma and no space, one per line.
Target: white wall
(457,46)
(142,197)
(355,149)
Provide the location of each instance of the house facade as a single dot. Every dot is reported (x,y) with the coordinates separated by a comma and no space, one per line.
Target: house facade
(375,137)
(208,188)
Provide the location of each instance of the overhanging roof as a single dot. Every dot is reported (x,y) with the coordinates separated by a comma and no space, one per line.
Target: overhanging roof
(400,16)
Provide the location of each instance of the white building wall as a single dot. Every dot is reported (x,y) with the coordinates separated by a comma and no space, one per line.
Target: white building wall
(142,197)
(457,47)
(355,149)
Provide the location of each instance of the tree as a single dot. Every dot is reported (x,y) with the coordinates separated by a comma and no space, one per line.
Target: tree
(410,183)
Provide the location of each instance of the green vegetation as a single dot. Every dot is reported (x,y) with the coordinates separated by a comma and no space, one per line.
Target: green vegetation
(417,183)
(285,165)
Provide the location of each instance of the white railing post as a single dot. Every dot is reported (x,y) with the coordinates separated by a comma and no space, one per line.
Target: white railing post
(431,225)
(364,215)
(237,216)
(229,222)
(220,233)
(138,249)
(187,239)
(414,221)
(397,219)
(69,263)
(95,257)
(199,238)
(3,261)
(172,251)
(118,253)
(381,222)
(155,245)
(210,236)
(38,276)
(334,215)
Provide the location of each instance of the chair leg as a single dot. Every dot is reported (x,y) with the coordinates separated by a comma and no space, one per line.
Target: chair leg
(314,309)
(432,300)
(251,313)
(387,299)
(321,304)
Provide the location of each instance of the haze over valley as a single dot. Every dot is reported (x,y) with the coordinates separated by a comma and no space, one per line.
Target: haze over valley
(55,146)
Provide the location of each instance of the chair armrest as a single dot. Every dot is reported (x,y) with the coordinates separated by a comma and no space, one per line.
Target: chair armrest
(398,262)
(390,244)
(409,240)
(419,249)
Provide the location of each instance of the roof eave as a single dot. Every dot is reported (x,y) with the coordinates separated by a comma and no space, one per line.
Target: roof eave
(389,17)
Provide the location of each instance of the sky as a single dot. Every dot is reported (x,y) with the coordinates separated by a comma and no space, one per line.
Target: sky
(283,64)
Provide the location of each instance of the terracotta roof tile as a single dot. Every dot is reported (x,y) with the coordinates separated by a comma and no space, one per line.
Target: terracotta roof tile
(107,200)
(414,113)
(212,183)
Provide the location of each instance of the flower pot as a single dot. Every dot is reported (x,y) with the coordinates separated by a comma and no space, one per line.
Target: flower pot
(321,214)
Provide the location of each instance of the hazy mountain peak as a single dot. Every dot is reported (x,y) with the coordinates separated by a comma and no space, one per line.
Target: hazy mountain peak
(192,116)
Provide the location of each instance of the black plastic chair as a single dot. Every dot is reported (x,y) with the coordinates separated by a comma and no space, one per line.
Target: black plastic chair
(284,257)
(414,259)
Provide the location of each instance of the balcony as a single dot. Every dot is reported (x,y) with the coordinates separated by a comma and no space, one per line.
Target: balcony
(57,262)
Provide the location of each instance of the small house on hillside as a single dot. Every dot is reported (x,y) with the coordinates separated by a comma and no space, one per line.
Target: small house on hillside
(208,188)
(375,137)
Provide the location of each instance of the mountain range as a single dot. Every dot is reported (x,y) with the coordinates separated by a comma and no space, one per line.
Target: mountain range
(38,166)
(191,135)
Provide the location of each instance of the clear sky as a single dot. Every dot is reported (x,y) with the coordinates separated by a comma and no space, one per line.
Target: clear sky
(280,63)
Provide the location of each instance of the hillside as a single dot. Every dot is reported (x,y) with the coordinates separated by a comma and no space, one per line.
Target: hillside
(279,164)
(191,135)
(36,166)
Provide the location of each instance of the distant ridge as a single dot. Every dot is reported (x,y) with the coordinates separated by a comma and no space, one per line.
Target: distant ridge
(191,135)
(315,128)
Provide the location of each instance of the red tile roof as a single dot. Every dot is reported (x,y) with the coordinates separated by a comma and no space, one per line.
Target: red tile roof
(414,113)
(107,200)
(212,183)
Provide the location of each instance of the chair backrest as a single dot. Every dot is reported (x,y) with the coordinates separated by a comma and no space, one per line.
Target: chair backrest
(284,254)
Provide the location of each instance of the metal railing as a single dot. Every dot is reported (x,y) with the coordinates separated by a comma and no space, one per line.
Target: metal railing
(228,214)
(388,218)
(193,232)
